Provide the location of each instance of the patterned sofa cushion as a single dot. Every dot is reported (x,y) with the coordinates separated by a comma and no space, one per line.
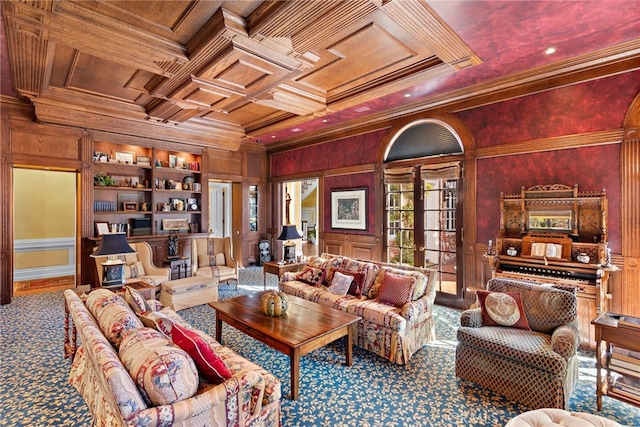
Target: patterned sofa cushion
(546,308)
(379,313)
(113,314)
(515,344)
(418,290)
(369,269)
(163,372)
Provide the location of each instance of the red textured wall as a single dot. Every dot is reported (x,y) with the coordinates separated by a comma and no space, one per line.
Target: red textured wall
(597,105)
(592,168)
(356,150)
(345,182)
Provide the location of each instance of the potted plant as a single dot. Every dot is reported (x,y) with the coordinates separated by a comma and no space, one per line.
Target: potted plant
(101,179)
(311,234)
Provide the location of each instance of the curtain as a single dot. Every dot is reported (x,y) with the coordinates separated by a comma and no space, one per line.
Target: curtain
(441,171)
(399,176)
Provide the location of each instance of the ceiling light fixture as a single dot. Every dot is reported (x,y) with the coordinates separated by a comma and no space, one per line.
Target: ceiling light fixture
(550,50)
(407,95)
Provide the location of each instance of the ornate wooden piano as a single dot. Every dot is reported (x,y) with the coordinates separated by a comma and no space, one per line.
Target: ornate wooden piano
(556,234)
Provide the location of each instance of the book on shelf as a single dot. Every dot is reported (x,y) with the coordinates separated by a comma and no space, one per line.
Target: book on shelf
(625,371)
(627,383)
(626,393)
(617,363)
(626,354)
(629,322)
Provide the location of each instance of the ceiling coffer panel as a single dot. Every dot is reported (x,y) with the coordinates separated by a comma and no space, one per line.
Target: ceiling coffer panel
(216,69)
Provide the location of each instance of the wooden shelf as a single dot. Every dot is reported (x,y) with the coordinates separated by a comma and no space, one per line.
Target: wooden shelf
(608,334)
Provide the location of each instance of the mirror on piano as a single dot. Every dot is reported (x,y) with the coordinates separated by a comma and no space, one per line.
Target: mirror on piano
(550,220)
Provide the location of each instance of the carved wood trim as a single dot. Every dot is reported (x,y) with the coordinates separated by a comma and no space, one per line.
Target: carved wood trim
(612,136)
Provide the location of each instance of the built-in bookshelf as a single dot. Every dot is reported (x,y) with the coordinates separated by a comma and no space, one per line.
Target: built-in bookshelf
(146,191)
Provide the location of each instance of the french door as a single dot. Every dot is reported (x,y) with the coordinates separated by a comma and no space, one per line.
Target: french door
(423,228)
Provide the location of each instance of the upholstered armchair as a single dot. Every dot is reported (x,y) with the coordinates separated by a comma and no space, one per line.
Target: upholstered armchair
(139,266)
(536,367)
(213,257)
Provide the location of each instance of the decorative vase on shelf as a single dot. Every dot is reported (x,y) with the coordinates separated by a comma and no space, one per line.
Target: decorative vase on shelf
(512,251)
(583,258)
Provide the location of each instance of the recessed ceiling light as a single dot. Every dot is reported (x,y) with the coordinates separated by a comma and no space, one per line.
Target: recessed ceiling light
(273,136)
(362,109)
(407,95)
(550,50)
(325,121)
(296,130)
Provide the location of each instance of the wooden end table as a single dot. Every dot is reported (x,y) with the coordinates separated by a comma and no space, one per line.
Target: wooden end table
(306,326)
(608,334)
(274,267)
(177,264)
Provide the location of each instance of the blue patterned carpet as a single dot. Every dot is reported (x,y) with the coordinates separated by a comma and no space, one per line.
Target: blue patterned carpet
(372,392)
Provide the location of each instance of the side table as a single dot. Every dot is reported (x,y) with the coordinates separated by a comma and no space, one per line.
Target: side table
(176,265)
(608,334)
(274,267)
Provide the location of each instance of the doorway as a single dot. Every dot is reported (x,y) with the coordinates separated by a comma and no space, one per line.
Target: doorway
(45,230)
(423,204)
(303,212)
(219,209)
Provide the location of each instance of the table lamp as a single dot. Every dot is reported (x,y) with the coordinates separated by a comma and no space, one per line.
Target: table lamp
(112,245)
(289,232)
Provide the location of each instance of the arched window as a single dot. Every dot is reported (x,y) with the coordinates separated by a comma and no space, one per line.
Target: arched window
(422,203)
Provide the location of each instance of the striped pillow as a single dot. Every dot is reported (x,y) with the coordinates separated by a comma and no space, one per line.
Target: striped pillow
(396,289)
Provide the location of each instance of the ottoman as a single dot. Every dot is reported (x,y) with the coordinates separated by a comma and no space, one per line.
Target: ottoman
(559,417)
(188,292)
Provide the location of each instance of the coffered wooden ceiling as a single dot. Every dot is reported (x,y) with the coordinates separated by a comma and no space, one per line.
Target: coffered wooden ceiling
(214,73)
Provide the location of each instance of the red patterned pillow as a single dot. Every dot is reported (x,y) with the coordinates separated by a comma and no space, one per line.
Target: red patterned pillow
(210,366)
(502,309)
(310,275)
(396,290)
(356,285)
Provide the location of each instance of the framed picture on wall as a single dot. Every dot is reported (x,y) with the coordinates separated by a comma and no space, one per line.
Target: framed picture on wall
(101,228)
(348,209)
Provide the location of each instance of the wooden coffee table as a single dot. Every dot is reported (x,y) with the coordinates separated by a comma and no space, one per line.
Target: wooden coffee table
(306,326)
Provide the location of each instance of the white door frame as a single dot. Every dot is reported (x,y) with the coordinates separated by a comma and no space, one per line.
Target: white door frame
(219,209)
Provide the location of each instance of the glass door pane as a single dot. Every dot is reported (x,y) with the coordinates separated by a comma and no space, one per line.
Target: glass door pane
(400,224)
(440,204)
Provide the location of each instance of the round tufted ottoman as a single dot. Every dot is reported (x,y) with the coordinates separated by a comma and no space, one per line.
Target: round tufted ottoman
(550,417)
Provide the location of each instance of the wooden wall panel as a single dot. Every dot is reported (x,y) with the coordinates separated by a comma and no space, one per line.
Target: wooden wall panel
(351,245)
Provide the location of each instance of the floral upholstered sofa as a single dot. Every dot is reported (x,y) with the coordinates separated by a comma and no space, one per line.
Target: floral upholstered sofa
(394,302)
(141,365)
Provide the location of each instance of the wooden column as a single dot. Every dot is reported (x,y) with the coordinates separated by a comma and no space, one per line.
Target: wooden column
(628,301)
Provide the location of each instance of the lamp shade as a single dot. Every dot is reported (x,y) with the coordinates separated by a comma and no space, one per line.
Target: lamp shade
(113,244)
(289,232)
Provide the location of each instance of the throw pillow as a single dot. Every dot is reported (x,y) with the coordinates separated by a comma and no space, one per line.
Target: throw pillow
(217,259)
(310,275)
(135,300)
(502,309)
(163,372)
(133,270)
(158,321)
(340,284)
(395,289)
(211,367)
(203,260)
(356,284)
